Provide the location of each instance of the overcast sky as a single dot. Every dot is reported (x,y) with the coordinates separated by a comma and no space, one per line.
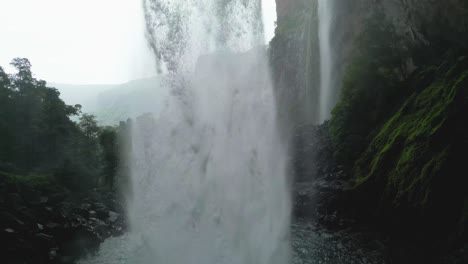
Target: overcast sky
(83,41)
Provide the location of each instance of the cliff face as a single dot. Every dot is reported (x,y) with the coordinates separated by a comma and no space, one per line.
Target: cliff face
(282,7)
(294,57)
(400,78)
(295,51)
(295,54)
(295,60)
(295,48)
(410,168)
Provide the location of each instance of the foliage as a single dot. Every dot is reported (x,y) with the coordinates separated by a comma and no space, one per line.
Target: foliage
(108,139)
(37,135)
(400,125)
(26,184)
(416,158)
(89,126)
(406,136)
(370,88)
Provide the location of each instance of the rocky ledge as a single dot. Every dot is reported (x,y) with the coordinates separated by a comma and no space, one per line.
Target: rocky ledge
(326,200)
(44,226)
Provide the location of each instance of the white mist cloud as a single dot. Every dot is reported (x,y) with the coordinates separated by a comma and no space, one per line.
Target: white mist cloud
(76,41)
(84,41)
(269,18)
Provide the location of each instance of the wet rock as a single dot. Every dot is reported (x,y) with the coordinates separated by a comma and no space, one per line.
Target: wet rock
(52,226)
(66,259)
(57,233)
(54,199)
(9,219)
(92,213)
(85,206)
(44,237)
(339,245)
(102,211)
(43,200)
(14,198)
(53,253)
(113,216)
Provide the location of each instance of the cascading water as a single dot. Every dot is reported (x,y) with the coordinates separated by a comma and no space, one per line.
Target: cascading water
(326,86)
(209,174)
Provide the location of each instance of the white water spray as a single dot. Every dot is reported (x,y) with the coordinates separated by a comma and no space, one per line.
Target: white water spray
(326,89)
(208,176)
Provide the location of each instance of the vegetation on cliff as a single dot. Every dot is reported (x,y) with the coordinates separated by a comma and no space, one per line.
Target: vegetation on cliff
(50,170)
(370,88)
(38,136)
(400,128)
(415,160)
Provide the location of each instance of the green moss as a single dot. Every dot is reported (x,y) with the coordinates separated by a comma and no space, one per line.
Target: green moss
(406,154)
(372,88)
(32,182)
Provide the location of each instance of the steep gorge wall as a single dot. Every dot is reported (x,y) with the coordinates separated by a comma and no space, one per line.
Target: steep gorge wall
(409,172)
(295,60)
(295,48)
(295,54)
(295,51)
(294,57)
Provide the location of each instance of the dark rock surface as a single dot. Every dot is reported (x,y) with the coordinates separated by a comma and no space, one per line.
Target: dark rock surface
(321,231)
(326,202)
(40,227)
(313,244)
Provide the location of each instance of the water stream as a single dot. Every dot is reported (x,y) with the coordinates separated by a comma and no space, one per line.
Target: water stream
(209,172)
(326,89)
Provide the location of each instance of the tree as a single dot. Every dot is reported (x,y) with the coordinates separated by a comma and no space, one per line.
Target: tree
(6,108)
(110,152)
(23,66)
(89,126)
(37,135)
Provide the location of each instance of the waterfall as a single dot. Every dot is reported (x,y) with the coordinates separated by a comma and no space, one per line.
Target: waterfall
(326,86)
(209,172)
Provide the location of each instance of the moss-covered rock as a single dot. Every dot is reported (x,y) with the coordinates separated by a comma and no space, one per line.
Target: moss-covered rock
(413,170)
(371,90)
(31,184)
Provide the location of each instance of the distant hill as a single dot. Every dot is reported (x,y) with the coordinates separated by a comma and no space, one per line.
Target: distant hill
(114,103)
(84,95)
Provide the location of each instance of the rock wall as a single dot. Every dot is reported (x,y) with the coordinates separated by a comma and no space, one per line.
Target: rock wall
(295,51)
(295,60)
(295,48)
(408,62)
(294,57)
(40,222)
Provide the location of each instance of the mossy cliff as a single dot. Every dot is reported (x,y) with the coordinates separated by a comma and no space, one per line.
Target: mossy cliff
(400,130)
(400,126)
(413,168)
(407,175)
